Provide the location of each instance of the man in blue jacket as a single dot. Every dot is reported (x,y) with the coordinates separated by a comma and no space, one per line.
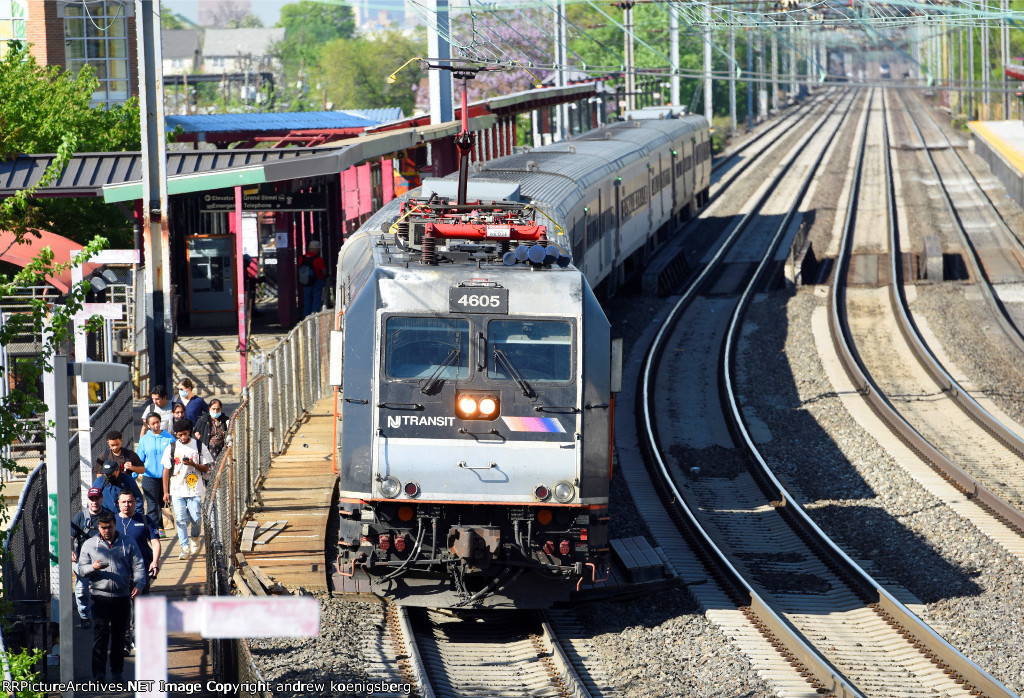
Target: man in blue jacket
(111,481)
(151,447)
(113,565)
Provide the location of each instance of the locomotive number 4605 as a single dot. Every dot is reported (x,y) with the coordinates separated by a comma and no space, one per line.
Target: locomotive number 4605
(478,300)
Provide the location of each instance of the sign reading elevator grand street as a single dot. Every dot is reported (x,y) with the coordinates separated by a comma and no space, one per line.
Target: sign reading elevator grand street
(263,199)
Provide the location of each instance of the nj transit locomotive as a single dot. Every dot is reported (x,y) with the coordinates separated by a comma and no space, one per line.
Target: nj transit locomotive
(476,366)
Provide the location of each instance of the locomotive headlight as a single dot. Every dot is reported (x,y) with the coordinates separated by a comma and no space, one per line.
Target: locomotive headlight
(467,405)
(563,492)
(488,406)
(477,406)
(390,487)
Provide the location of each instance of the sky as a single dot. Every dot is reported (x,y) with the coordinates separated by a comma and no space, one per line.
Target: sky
(267,10)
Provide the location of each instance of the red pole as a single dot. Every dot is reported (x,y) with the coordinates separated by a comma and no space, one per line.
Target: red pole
(240,287)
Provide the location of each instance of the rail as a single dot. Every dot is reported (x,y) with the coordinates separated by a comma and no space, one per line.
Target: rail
(287,383)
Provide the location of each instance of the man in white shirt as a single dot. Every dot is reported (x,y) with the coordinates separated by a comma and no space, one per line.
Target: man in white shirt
(162,406)
(185,461)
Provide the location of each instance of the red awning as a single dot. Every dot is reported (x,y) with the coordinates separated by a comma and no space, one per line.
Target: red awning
(1015,71)
(22,254)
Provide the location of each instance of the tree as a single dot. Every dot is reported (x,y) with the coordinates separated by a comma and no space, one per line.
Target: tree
(40,108)
(223,13)
(249,21)
(169,21)
(48,110)
(357,70)
(308,27)
(516,35)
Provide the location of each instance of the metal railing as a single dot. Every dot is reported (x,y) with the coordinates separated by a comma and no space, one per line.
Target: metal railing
(26,566)
(291,378)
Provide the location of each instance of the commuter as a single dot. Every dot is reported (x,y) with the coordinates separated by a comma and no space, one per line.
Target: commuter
(132,524)
(212,428)
(194,405)
(177,413)
(113,565)
(84,527)
(161,405)
(152,446)
(312,278)
(185,460)
(125,457)
(111,481)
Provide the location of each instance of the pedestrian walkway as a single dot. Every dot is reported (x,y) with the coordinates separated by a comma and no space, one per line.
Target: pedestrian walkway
(188,661)
(298,489)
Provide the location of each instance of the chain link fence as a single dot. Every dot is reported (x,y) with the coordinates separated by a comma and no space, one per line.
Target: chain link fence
(285,385)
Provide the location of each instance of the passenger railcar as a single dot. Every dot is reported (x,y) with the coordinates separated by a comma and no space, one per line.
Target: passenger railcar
(475,366)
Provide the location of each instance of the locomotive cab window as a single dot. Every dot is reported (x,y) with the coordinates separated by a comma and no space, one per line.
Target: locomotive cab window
(418,347)
(539,351)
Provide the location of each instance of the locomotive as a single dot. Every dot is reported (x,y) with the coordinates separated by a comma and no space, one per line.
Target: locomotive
(475,364)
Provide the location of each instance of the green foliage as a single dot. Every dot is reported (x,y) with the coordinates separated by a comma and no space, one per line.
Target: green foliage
(48,110)
(308,26)
(249,21)
(356,71)
(21,664)
(170,21)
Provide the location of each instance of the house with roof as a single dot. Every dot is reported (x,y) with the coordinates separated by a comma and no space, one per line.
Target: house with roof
(181,51)
(240,50)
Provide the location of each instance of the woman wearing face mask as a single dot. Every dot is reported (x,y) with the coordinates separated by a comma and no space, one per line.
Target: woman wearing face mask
(194,405)
(212,428)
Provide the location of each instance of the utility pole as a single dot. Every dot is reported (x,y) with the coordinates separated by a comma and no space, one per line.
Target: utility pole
(155,225)
(1004,31)
(762,84)
(673,52)
(708,111)
(732,79)
(792,64)
(960,55)
(750,83)
(970,72)
(439,81)
(775,72)
(627,39)
(986,64)
(560,76)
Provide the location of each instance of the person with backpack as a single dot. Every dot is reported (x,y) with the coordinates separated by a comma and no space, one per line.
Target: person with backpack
(185,461)
(312,278)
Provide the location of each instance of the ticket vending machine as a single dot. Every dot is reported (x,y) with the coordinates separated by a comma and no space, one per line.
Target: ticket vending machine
(211,280)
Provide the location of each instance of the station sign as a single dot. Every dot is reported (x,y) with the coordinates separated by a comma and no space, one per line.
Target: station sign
(263,198)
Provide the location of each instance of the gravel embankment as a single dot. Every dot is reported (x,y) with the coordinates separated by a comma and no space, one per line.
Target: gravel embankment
(866,503)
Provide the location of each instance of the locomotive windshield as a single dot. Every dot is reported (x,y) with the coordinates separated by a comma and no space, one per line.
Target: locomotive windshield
(419,347)
(538,351)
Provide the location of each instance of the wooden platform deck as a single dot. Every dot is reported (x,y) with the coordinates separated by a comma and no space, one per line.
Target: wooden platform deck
(298,489)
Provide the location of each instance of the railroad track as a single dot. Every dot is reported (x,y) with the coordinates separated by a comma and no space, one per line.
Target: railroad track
(495,654)
(891,364)
(810,600)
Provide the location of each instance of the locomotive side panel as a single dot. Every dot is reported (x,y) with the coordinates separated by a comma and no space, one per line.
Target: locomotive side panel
(596,400)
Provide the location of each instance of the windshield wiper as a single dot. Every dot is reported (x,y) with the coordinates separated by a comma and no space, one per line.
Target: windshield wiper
(427,384)
(501,356)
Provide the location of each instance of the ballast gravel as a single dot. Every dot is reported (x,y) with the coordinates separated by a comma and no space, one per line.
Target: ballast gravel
(864,501)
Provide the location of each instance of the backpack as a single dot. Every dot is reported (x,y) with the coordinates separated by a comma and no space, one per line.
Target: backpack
(307,277)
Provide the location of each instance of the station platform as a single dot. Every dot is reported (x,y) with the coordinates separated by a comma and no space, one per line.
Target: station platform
(187,660)
(1001,145)
(298,490)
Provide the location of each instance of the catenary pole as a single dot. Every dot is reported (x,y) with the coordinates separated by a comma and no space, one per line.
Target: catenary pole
(673,52)
(155,224)
(708,106)
(732,79)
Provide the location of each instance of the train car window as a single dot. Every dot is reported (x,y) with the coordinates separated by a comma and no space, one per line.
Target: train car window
(539,351)
(416,347)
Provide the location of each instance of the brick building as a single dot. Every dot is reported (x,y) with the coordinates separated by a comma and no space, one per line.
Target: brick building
(75,33)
